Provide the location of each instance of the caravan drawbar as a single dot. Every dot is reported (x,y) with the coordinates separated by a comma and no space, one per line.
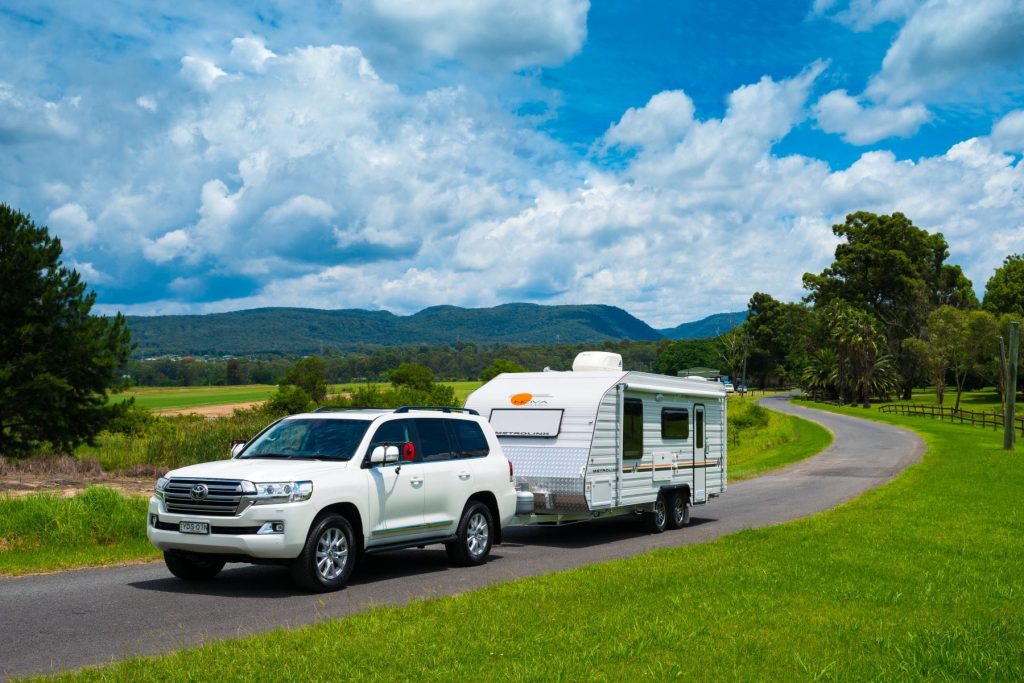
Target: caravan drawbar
(598,441)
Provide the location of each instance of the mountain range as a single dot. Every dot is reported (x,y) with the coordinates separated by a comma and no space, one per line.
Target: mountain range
(306,331)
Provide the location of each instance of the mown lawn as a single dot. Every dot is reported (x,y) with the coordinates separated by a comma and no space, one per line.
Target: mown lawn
(173,398)
(917,580)
(177,398)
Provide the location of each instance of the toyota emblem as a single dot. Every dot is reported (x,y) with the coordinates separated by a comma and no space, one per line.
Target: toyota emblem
(199,491)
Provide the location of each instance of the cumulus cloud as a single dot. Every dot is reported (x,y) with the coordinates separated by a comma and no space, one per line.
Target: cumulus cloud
(251,53)
(201,72)
(945,42)
(73,224)
(1008,132)
(169,246)
(859,124)
(490,33)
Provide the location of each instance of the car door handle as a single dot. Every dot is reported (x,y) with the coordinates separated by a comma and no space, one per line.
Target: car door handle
(416,482)
(464,475)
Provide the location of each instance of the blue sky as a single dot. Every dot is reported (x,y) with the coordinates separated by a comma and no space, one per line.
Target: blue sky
(670,158)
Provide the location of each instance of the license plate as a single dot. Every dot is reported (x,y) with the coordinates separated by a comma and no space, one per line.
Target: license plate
(194,527)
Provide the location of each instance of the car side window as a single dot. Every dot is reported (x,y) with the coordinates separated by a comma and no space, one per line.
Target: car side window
(470,438)
(393,432)
(434,443)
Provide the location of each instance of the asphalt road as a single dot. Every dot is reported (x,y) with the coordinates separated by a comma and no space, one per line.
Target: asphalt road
(62,621)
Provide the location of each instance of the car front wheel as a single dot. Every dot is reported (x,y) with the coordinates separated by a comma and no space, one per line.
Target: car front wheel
(327,559)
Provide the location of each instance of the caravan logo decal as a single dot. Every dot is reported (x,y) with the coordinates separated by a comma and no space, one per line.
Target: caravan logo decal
(527,399)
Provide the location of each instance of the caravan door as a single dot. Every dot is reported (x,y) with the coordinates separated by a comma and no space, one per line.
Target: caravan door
(700,470)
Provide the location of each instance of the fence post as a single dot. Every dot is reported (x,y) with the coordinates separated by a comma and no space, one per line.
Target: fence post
(1009,433)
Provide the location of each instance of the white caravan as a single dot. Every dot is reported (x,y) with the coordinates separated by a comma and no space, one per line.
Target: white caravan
(602,441)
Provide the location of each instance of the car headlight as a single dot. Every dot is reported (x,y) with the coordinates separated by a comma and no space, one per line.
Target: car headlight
(278,491)
(161,484)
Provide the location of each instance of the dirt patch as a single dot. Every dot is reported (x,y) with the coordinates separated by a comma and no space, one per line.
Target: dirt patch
(225,410)
(67,476)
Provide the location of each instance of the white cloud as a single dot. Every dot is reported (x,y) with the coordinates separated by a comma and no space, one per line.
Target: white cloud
(1008,132)
(302,206)
(663,121)
(489,33)
(947,41)
(72,224)
(201,72)
(251,53)
(146,102)
(170,246)
(858,124)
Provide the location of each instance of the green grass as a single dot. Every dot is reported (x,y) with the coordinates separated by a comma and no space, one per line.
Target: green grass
(762,440)
(178,398)
(917,580)
(46,532)
(173,398)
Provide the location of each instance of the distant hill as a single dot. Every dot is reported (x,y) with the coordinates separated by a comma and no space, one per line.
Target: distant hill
(307,331)
(711,326)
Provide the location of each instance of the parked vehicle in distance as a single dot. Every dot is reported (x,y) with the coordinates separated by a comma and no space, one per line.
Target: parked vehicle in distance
(317,490)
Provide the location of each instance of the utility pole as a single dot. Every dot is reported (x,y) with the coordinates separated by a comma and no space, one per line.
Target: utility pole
(1009,423)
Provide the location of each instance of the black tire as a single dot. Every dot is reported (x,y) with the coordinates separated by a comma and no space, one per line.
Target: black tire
(678,510)
(327,559)
(192,566)
(656,519)
(475,536)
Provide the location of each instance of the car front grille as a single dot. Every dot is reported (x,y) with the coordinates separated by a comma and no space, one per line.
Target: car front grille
(223,497)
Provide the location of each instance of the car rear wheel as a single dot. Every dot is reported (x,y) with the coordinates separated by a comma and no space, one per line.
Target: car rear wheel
(192,566)
(327,559)
(475,535)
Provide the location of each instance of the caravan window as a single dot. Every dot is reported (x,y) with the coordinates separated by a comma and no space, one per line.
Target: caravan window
(675,423)
(633,429)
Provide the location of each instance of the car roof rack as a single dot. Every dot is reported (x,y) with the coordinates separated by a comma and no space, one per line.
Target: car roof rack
(338,409)
(443,409)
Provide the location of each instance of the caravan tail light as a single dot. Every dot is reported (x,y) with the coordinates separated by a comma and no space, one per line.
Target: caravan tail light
(509,470)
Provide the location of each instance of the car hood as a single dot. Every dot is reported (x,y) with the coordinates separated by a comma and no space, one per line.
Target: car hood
(259,470)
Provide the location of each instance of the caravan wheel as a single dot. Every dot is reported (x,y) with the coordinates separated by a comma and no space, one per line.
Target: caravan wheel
(655,520)
(679,510)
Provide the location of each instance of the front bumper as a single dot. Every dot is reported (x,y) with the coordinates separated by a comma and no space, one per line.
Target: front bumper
(234,535)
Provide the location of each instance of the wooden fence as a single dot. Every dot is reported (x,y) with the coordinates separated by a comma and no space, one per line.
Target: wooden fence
(994,420)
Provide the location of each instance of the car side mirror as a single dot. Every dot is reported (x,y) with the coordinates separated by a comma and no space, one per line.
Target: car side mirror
(384,455)
(236,447)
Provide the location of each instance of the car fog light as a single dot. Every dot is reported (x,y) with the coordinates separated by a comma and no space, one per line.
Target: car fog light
(271,528)
(153,519)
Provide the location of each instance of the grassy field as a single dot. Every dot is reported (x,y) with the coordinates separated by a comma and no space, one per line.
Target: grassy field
(986,400)
(177,398)
(45,532)
(762,440)
(917,580)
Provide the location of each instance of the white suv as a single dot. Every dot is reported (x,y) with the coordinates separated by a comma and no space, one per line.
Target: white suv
(315,490)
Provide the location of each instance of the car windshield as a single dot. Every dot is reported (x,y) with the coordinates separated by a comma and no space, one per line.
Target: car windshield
(311,438)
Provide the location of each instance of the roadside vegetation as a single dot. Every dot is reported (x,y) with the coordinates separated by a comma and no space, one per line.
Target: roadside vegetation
(891,586)
(48,532)
(762,440)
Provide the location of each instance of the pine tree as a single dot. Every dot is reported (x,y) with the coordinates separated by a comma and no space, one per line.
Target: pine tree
(57,360)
